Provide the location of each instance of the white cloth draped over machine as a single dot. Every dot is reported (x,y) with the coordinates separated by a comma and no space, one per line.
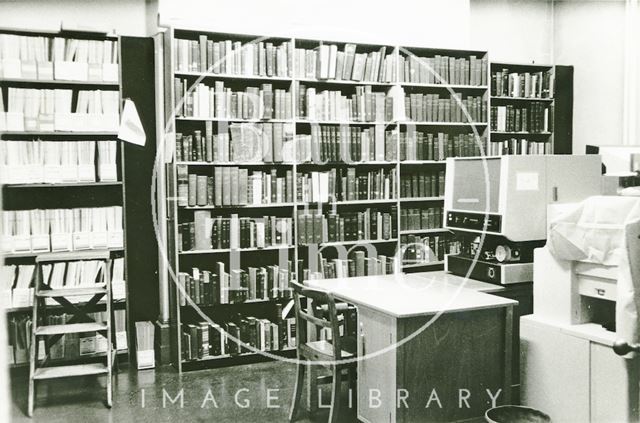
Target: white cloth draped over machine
(595,243)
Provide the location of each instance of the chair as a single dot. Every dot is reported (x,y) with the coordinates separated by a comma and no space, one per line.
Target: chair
(320,311)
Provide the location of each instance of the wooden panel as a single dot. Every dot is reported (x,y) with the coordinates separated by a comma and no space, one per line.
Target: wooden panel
(554,372)
(563,113)
(458,352)
(138,85)
(376,331)
(614,386)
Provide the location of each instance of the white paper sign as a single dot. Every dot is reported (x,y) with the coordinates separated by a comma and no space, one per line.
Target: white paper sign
(131,129)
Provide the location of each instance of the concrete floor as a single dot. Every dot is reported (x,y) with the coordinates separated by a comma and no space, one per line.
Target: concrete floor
(138,397)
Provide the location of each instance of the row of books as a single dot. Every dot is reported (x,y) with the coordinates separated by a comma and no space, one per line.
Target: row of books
(346,184)
(356,264)
(522,84)
(17,280)
(70,346)
(229,57)
(366,225)
(427,249)
(443,70)
(519,146)
(208,232)
(238,142)
(438,108)
(364,105)
(326,62)
(245,334)
(46,58)
(61,229)
(31,109)
(533,117)
(412,219)
(33,162)
(208,288)
(420,145)
(332,143)
(205,101)
(422,184)
(231,185)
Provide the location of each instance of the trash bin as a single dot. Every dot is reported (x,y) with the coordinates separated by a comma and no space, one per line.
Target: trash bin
(515,414)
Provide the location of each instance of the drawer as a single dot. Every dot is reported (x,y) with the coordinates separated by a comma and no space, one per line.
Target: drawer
(597,287)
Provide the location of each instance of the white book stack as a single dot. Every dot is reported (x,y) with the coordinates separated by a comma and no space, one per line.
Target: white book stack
(61,226)
(51,162)
(107,154)
(120,323)
(118,287)
(85,60)
(22,295)
(86,161)
(33,231)
(144,345)
(7,278)
(23,57)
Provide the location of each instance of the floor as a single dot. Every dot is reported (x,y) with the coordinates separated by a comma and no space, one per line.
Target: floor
(139,397)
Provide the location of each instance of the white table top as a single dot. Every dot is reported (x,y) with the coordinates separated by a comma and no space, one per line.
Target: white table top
(407,295)
(441,276)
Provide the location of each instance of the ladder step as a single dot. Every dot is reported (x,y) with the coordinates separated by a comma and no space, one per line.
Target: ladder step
(55,372)
(70,328)
(72,292)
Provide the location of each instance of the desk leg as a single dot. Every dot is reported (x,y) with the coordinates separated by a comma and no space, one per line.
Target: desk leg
(508,353)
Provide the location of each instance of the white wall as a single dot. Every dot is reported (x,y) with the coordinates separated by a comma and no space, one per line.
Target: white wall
(589,35)
(518,31)
(126,17)
(404,22)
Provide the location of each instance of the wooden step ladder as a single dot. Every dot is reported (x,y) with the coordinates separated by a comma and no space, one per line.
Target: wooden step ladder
(79,323)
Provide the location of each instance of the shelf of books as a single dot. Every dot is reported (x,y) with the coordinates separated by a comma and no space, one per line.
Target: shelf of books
(61,175)
(522,109)
(296,159)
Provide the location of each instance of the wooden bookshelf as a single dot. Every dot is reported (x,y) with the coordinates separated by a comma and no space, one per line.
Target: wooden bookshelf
(516,104)
(476,86)
(67,194)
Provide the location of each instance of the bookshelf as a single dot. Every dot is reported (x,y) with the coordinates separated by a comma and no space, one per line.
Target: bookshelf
(61,165)
(348,137)
(522,105)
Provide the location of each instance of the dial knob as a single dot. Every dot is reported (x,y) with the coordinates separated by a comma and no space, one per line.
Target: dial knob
(503,253)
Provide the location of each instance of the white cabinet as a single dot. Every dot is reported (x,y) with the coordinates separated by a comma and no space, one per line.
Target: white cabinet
(573,378)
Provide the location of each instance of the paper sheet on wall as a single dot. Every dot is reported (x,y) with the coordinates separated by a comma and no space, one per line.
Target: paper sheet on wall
(131,129)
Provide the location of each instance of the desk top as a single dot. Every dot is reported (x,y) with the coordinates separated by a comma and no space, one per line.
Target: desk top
(443,277)
(408,295)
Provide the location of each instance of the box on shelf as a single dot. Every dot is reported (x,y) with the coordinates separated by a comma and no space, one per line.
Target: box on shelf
(107,172)
(81,240)
(11,68)
(95,72)
(64,121)
(69,173)
(29,69)
(115,239)
(110,72)
(118,290)
(61,241)
(86,173)
(22,297)
(99,239)
(52,173)
(40,243)
(14,121)
(21,243)
(45,71)
(46,122)
(71,71)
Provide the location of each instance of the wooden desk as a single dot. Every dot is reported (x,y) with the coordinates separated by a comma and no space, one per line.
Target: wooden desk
(425,343)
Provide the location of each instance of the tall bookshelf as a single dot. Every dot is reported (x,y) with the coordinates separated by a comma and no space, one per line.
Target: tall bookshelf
(513,90)
(305,156)
(40,187)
